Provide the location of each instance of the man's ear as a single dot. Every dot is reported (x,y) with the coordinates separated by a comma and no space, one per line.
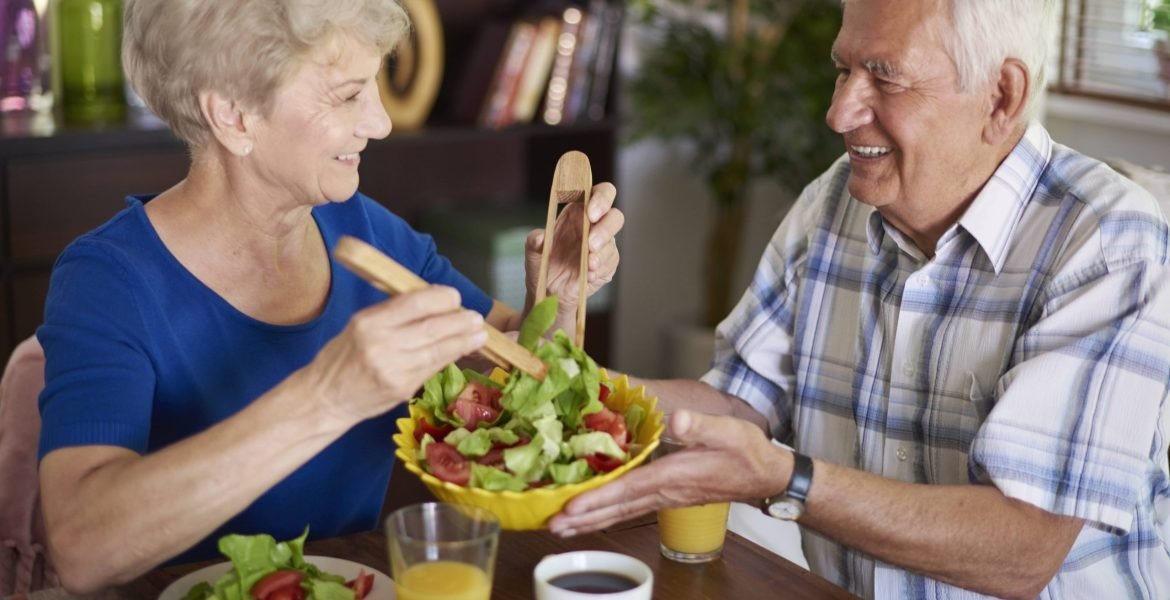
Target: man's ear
(228,122)
(1009,97)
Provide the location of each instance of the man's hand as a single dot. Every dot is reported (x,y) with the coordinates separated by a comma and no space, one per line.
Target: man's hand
(726,459)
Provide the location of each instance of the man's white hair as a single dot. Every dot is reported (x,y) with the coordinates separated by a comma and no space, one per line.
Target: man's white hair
(985,33)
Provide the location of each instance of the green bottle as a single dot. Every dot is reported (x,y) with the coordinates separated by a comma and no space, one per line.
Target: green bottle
(88,55)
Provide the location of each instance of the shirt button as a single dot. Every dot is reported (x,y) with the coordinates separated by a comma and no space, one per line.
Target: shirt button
(902,454)
(908,369)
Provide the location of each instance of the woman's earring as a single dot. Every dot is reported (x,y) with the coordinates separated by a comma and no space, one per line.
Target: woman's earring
(247,149)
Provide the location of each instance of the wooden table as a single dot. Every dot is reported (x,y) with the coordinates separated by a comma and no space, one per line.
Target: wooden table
(745,570)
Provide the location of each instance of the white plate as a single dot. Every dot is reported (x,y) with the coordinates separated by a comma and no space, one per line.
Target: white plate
(383,587)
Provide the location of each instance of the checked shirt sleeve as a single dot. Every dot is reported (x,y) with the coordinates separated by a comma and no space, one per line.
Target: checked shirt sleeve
(1077,416)
(754,344)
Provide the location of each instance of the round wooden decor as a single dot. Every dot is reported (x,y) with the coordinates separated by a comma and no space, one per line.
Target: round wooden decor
(410,81)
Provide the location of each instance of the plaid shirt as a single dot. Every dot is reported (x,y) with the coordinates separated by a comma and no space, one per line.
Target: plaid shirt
(1031,353)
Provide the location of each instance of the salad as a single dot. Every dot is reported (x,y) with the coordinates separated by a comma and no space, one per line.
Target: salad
(264,569)
(476,431)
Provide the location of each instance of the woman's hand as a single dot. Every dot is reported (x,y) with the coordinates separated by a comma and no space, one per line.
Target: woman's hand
(389,350)
(565,260)
(726,459)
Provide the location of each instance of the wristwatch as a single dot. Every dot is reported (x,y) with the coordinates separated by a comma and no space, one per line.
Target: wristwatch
(789,506)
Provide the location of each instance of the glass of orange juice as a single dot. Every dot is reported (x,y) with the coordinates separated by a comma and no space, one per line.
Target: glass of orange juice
(442,551)
(692,534)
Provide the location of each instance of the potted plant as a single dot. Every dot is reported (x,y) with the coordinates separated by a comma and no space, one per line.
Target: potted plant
(748,83)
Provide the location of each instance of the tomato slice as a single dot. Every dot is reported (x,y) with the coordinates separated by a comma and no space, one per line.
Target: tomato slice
(361,584)
(493,458)
(446,463)
(604,395)
(287,593)
(473,413)
(482,394)
(610,422)
(438,432)
(277,580)
(602,463)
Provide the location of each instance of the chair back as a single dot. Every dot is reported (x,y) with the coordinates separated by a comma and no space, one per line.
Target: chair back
(24,559)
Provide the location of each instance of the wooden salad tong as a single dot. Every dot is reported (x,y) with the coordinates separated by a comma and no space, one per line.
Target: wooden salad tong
(386,274)
(572,182)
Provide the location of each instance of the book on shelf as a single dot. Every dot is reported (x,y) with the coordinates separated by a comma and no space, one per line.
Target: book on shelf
(601,72)
(472,77)
(558,82)
(499,104)
(551,68)
(577,88)
(534,80)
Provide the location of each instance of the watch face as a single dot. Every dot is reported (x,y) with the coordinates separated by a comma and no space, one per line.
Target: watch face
(786,509)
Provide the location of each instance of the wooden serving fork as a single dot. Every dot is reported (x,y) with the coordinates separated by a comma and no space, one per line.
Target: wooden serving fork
(572,182)
(386,274)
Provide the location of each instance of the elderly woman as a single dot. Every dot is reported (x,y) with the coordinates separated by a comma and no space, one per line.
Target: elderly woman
(209,369)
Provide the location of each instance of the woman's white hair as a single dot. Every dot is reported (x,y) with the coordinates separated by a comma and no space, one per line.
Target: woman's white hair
(173,50)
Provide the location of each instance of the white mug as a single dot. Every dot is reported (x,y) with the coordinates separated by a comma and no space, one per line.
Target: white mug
(592,562)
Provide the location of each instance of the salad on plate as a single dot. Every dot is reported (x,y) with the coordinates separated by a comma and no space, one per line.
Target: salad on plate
(264,569)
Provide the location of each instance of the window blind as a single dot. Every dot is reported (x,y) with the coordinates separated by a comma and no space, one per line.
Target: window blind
(1109,49)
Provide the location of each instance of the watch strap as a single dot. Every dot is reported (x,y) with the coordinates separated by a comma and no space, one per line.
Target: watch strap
(802,473)
(798,486)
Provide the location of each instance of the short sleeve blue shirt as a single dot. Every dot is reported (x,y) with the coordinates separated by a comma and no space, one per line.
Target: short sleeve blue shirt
(141,354)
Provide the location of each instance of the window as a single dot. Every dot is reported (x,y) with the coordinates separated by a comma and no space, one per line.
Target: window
(1114,50)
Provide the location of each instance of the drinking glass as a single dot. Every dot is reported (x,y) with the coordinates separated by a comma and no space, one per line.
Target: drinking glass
(692,534)
(442,551)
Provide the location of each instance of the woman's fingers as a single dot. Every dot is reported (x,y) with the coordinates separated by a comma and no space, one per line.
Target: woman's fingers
(605,231)
(401,309)
(601,200)
(389,349)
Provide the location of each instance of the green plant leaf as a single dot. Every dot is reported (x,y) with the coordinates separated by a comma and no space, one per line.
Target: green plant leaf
(748,106)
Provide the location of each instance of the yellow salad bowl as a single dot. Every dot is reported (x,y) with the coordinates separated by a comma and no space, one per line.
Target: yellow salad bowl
(532,508)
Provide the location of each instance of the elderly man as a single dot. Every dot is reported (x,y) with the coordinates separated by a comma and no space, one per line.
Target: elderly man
(963,329)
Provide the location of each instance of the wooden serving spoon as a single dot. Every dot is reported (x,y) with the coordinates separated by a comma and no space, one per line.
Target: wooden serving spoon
(386,274)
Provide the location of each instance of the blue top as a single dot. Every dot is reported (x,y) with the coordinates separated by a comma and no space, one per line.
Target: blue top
(141,354)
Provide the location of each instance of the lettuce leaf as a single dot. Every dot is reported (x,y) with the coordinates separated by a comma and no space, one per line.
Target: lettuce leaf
(588,444)
(479,442)
(453,383)
(495,480)
(574,472)
(537,322)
